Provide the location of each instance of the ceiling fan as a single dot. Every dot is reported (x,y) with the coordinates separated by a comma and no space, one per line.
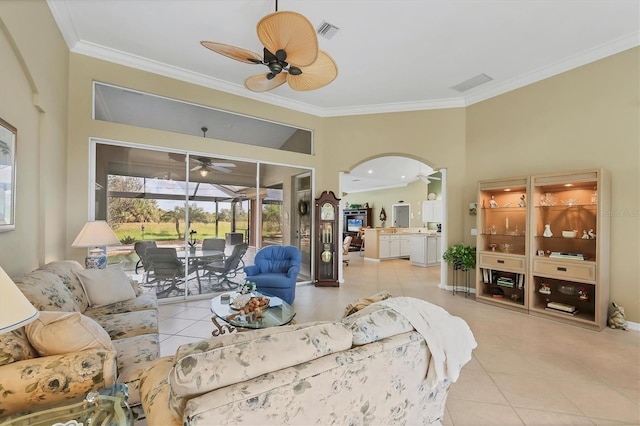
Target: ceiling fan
(205,166)
(427,178)
(290,52)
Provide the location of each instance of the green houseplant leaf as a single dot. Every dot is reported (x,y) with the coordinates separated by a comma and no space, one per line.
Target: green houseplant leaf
(460,256)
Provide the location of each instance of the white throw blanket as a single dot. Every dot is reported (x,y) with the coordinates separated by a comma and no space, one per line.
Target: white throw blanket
(449,338)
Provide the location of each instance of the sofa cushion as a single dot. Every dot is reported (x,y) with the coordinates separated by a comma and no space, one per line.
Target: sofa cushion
(129,324)
(221,361)
(106,286)
(55,333)
(143,302)
(46,291)
(154,392)
(66,269)
(15,346)
(135,355)
(374,323)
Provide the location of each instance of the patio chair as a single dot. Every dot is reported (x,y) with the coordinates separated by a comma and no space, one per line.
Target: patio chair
(140,248)
(167,271)
(226,269)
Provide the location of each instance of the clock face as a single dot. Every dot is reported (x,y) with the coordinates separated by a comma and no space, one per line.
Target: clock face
(327,212)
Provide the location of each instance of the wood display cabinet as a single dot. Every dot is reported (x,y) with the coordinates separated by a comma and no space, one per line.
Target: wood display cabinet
(570,247)
(328,242)
(501,244)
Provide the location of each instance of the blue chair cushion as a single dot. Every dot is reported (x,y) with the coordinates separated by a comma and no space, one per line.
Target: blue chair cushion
(271,280)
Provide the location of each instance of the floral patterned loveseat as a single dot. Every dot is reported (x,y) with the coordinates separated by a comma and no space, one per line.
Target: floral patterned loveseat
(27,378)
(371,367)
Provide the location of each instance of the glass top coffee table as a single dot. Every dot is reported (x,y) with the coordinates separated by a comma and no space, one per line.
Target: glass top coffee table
(107,406)
(279,312)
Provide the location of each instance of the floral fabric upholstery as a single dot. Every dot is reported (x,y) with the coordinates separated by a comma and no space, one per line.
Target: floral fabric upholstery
(376,384)
(14,346)
(144,302)
(129,324)
(154,390)
(46,291)
(132,326)
(374,323)
(65,269)
(52,379)
(134,356)
(243,356)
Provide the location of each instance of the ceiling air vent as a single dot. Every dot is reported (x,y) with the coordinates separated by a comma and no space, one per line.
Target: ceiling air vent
(327,30)
(472,82)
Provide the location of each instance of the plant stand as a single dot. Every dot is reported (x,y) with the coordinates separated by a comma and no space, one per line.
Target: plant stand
(466,286)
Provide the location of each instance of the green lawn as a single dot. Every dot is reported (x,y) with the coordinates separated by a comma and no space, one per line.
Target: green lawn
(167,231)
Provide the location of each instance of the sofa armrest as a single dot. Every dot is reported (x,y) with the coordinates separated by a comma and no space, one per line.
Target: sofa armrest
(251,270)
(53,379)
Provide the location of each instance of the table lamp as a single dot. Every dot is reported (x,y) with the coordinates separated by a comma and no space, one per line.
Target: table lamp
(96,234)
(15,310)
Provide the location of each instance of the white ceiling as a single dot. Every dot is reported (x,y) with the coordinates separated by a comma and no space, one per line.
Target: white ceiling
(396,55)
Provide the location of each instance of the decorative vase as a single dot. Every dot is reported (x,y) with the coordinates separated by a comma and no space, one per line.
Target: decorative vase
(547,231)
(326,254)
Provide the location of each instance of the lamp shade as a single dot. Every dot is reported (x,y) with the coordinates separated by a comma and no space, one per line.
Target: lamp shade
(94,234)
(15,310)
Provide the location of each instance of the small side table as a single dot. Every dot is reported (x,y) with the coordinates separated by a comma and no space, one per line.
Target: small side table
(457,284)
(107,406)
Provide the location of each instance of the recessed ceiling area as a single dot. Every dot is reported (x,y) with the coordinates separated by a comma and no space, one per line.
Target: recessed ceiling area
(394,56)
(384,173)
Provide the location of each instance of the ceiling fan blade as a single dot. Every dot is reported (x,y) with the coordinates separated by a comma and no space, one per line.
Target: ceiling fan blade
(233,52)
(291,32)
(223,164)
(196,168)
(220,169)
(260,82)
(322,72)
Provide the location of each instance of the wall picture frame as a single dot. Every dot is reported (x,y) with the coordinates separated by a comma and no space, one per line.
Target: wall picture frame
(8,143)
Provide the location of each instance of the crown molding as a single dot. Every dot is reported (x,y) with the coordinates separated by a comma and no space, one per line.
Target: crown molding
(63,19)
(604,50)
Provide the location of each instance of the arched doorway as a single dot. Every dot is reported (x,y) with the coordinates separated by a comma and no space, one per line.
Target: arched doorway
(406,188)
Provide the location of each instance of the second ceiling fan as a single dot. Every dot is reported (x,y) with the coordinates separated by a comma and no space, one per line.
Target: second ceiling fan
(290,52)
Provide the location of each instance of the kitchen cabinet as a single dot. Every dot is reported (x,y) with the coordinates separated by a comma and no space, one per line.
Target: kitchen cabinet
(425,250)
(432,211)
(394,246)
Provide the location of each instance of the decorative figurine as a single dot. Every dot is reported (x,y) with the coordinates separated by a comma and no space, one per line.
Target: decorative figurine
(616,317)
(582,293)
(544,289)
(592,235)
(585,236)
(492,203)
(522,203)
(547,231)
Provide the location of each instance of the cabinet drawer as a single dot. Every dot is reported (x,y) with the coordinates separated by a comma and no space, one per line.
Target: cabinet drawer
(565,270)
(496,261)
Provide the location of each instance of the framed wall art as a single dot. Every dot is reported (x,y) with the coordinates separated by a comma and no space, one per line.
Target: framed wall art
(8,140)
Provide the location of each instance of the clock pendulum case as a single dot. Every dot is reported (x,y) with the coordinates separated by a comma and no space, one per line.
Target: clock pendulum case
(327,240)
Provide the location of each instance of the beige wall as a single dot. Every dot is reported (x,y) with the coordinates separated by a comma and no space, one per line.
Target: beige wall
(584,118)
(33,98)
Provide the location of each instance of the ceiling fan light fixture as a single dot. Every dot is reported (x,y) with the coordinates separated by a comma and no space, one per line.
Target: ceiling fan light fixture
(203,172)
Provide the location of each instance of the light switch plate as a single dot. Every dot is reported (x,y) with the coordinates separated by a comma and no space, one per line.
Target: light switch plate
(474,231)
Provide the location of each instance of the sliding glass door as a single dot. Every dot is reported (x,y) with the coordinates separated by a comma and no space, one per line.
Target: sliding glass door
(188,203)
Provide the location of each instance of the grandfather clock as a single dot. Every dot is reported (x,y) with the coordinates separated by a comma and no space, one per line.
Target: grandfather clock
(327,240)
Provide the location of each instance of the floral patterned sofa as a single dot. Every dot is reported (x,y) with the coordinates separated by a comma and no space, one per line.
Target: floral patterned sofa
(130,328)
(371,367)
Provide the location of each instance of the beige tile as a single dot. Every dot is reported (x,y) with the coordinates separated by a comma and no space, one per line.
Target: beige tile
(200,329)
(476,385)
(537,393)
(173,325)
(550,418)
(601,402)
(168,311)
(471,413)
(194,313)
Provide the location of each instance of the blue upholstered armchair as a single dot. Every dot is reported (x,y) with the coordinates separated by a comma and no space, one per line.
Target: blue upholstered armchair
(275,270)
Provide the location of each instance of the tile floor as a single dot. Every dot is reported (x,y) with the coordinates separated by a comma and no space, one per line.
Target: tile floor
(525,371)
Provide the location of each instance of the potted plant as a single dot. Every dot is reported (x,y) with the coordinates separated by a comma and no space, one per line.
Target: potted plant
(461,257)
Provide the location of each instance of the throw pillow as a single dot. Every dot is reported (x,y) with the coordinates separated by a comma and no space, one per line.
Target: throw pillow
(56,333)
(106,286)
(15,346)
